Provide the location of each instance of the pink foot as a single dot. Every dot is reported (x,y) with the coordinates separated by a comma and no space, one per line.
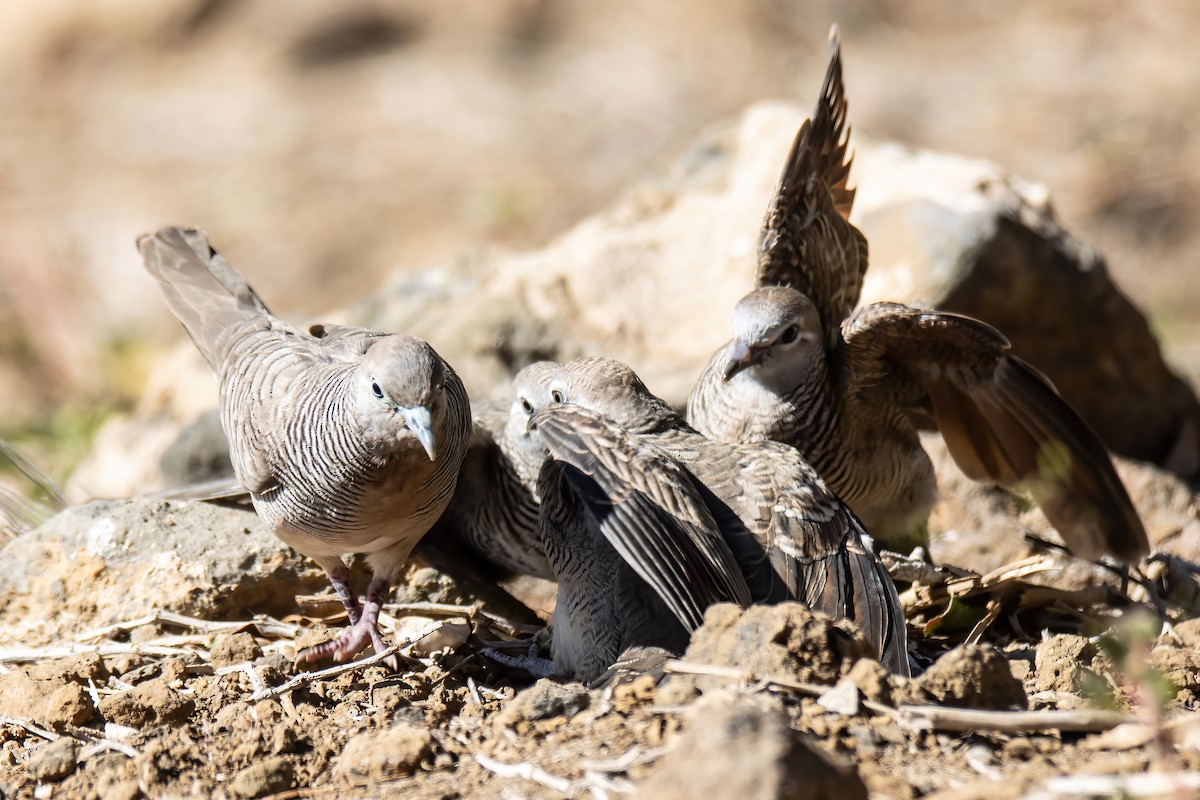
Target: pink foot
(363,631)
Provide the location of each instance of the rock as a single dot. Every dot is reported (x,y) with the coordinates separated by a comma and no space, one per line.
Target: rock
(108,561)
(274,774)
(945,231)
(52,692)
(544,700)
(1187,632)
(735,745)
(148,704)
(962,236)
(113,560)
(1180,666)
(844,699)
(236,648)
(786,640)
(381,755)
(1064,663)
(973,676)
(54,761)
(872,679)
(68,705)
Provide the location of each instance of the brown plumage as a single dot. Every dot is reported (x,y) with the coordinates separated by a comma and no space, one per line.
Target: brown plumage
(844,388)
(349,440)
(684,512)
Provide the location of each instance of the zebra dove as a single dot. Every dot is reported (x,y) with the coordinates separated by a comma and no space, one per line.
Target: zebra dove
(349,440)
(845,388)
(635,549)
(661,493)
(494,511)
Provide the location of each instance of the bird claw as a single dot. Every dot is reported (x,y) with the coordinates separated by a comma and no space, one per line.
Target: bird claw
(532,663)
(348,644)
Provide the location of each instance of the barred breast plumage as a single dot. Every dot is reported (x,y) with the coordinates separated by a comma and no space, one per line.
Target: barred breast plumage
(844,388)
(349,440)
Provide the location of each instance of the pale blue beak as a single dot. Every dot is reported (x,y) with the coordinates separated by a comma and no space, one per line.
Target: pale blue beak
(420,422)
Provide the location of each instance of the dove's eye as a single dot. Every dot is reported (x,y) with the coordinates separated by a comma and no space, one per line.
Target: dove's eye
(378,391)
(789,336)
(526,406)
(557,396)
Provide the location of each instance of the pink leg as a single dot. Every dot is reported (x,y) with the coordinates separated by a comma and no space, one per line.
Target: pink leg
(363,631)
(339,576)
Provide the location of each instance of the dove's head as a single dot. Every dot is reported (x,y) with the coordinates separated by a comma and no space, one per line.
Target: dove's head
(611,389)
(776,336)
(401,387)
(530,394)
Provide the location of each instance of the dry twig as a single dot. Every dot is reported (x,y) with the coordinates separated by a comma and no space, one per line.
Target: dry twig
(969,719)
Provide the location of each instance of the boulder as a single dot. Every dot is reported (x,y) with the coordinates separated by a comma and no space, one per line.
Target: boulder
(111,561)
(653,280)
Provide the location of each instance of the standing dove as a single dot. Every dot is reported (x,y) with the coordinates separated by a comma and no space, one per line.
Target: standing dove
(697,520)
(844,388)
(349,440)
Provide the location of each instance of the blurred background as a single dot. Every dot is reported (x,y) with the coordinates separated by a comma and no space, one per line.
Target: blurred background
(324,145)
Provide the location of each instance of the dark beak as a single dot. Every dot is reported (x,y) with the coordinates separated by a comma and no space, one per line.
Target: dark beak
(743,356)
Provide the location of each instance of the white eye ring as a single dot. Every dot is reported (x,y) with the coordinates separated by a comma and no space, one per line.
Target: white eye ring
(526,406)
(557,396)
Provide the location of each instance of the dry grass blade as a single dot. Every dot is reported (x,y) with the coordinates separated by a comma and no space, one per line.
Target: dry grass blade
(530,772)
(266,626)
(1150,784)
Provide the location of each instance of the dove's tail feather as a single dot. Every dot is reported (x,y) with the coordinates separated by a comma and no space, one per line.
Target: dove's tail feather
(209,296)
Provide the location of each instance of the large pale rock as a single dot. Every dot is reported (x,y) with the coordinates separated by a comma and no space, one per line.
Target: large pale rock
(108,561)
(111,561)
(653,280)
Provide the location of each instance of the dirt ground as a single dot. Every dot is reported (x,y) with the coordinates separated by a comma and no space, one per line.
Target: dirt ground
(199,701)
(174,710)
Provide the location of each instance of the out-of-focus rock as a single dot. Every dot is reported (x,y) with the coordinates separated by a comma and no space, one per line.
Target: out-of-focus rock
(973,676)
(961,235)
(147,704)
(380,755)
(735,745)
(54,761)
(786,640)
(1067,663)
(653,280)
(109,561)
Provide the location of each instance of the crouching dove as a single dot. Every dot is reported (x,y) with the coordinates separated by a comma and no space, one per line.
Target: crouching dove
(844,388)
(698,521)
(349,440)
(494,512)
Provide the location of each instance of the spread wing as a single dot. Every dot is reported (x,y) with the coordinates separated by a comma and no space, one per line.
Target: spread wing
(806,241)
(838,571)
(1002,420)
(647,507)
